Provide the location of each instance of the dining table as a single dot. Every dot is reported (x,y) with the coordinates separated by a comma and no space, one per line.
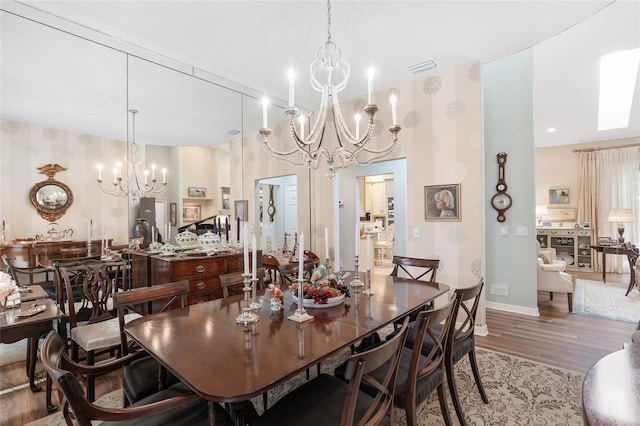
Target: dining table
(224,362)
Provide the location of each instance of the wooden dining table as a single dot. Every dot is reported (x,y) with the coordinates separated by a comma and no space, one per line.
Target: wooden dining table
(223,362)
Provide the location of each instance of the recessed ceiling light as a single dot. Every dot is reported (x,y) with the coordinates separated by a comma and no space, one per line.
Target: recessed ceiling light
(618,75)
(551,130)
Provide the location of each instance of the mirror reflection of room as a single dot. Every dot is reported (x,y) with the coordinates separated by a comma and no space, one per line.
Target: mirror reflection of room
(277,214)
(377,217)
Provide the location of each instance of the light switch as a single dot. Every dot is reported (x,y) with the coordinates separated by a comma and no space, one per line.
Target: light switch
(522,231)
(504,231)
(416,233)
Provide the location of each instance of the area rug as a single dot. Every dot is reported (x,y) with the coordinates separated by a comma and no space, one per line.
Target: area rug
(606,300)
(520,392)
(14,352)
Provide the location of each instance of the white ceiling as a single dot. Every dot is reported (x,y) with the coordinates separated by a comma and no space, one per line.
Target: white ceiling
(252,44)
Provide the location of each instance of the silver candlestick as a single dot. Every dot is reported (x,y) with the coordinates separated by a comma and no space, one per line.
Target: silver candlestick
(301,314)
(247,317)
(368,291)
(357,283)
(254,305)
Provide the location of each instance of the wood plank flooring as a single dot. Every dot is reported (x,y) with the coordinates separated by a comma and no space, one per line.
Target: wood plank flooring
(556,337)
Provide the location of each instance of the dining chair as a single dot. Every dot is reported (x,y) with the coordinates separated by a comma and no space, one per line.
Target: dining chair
(92,322)
(235,282)
(70,252)
(416,269)
(328,400)
(420,373)
(271,263)
(176,405)
(41,276)
(289,272)
(460,341)
(309,255)
(145,376)
(632,255)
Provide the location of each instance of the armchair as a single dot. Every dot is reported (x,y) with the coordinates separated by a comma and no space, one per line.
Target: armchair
(553,280)
(549,260)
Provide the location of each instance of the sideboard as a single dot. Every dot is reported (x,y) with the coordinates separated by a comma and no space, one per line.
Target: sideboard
(572,245)
(34,253)
(202,272)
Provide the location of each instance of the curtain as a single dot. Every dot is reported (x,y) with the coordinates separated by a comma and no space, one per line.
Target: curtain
(587,195)
(618,187)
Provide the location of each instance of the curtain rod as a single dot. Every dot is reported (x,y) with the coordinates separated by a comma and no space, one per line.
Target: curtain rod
(601,149)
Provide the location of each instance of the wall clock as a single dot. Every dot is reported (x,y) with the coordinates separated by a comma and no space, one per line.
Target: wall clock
(271,210)
(501,201)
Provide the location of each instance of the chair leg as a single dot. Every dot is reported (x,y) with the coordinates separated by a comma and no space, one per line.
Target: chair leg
(550,295)
(264,400)
(410,410)
(443,406)
(454,392)
(476,375)
(570,301)
(91,389)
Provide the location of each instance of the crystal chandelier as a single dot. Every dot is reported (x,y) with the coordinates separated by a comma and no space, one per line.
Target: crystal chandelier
(352,147)
(133,184)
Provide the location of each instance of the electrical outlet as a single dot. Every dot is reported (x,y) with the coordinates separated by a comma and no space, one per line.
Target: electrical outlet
(416,233)
(504,231)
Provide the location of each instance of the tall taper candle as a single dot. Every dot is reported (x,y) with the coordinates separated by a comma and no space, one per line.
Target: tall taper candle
(254,259)
(368,252)
(245,249)
(326,242)
(238,230)
(357,245)
(301,260)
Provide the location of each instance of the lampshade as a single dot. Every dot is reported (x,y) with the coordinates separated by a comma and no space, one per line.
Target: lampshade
(541,209)
(621,215)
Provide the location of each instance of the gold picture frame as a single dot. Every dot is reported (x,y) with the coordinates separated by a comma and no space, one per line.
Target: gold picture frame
(191,213)
(442,203)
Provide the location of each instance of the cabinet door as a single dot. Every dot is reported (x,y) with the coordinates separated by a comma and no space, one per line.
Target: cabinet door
(378,206)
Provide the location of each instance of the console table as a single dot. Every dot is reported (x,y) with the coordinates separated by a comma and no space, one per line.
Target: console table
(29,254)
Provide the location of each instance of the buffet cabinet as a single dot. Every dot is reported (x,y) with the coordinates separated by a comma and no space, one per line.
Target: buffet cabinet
(572,245)
(35,253)
(202,272)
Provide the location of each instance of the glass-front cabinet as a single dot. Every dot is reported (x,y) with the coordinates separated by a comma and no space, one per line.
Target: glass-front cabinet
(572,245)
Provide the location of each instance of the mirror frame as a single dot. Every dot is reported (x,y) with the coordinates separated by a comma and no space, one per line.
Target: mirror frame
(50,214)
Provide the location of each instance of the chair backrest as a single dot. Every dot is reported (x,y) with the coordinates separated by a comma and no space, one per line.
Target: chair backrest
(26,276)
(94,282)
(464,316)
(237,278)
(309,255)
(427,267)
(70,252)
(422,366)
(62,371)
(357,372)
(59,283)
(139,301)
(270,261)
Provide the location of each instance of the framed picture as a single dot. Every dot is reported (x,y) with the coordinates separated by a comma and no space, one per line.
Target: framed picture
(586,225)
(604,241)
(191,212)
(226,202)
(241,209)
(196,192)
(442,202)
(567,214)
(173,214)
(559,196)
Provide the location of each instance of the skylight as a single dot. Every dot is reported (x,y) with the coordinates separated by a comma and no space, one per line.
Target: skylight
(618,73)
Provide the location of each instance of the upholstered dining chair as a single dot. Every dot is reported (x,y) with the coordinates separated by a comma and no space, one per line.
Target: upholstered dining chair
(420,373)
(145,376)
(176,405)
(549,260)
(632,255)
(235,281)
(328,400)
(41,276)
(555,281)
(92,322)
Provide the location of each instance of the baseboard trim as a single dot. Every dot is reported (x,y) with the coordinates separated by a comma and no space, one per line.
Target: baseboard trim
(534,312)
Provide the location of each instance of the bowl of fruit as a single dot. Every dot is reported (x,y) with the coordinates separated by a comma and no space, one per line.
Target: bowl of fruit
(325,294)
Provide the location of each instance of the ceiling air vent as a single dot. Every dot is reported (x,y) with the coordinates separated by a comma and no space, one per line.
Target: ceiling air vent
(423,66)
(232,132)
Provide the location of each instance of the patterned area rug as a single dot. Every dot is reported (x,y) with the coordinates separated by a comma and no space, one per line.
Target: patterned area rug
(606,300)
(15,352)
(520,392)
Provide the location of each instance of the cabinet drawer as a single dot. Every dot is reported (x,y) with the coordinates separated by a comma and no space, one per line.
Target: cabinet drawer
(204,285)
(197,267)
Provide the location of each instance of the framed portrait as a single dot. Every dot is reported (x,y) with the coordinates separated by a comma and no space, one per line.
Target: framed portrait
(559,196)
(241,210)
(225,203)
(442,202)
(173,214)
(196,192)
(191,212)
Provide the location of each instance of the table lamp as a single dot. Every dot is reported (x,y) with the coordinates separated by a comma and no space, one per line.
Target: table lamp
(621,216)
(541,210)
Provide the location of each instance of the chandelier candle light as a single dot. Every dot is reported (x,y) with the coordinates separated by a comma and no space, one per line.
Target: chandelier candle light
(352,149)
(134,184)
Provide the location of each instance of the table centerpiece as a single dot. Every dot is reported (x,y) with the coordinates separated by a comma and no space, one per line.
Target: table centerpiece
(322,290)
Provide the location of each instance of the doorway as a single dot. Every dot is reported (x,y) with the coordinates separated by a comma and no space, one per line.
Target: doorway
(277,213)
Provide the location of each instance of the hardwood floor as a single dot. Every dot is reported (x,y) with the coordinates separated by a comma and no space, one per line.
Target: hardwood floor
(556,337)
